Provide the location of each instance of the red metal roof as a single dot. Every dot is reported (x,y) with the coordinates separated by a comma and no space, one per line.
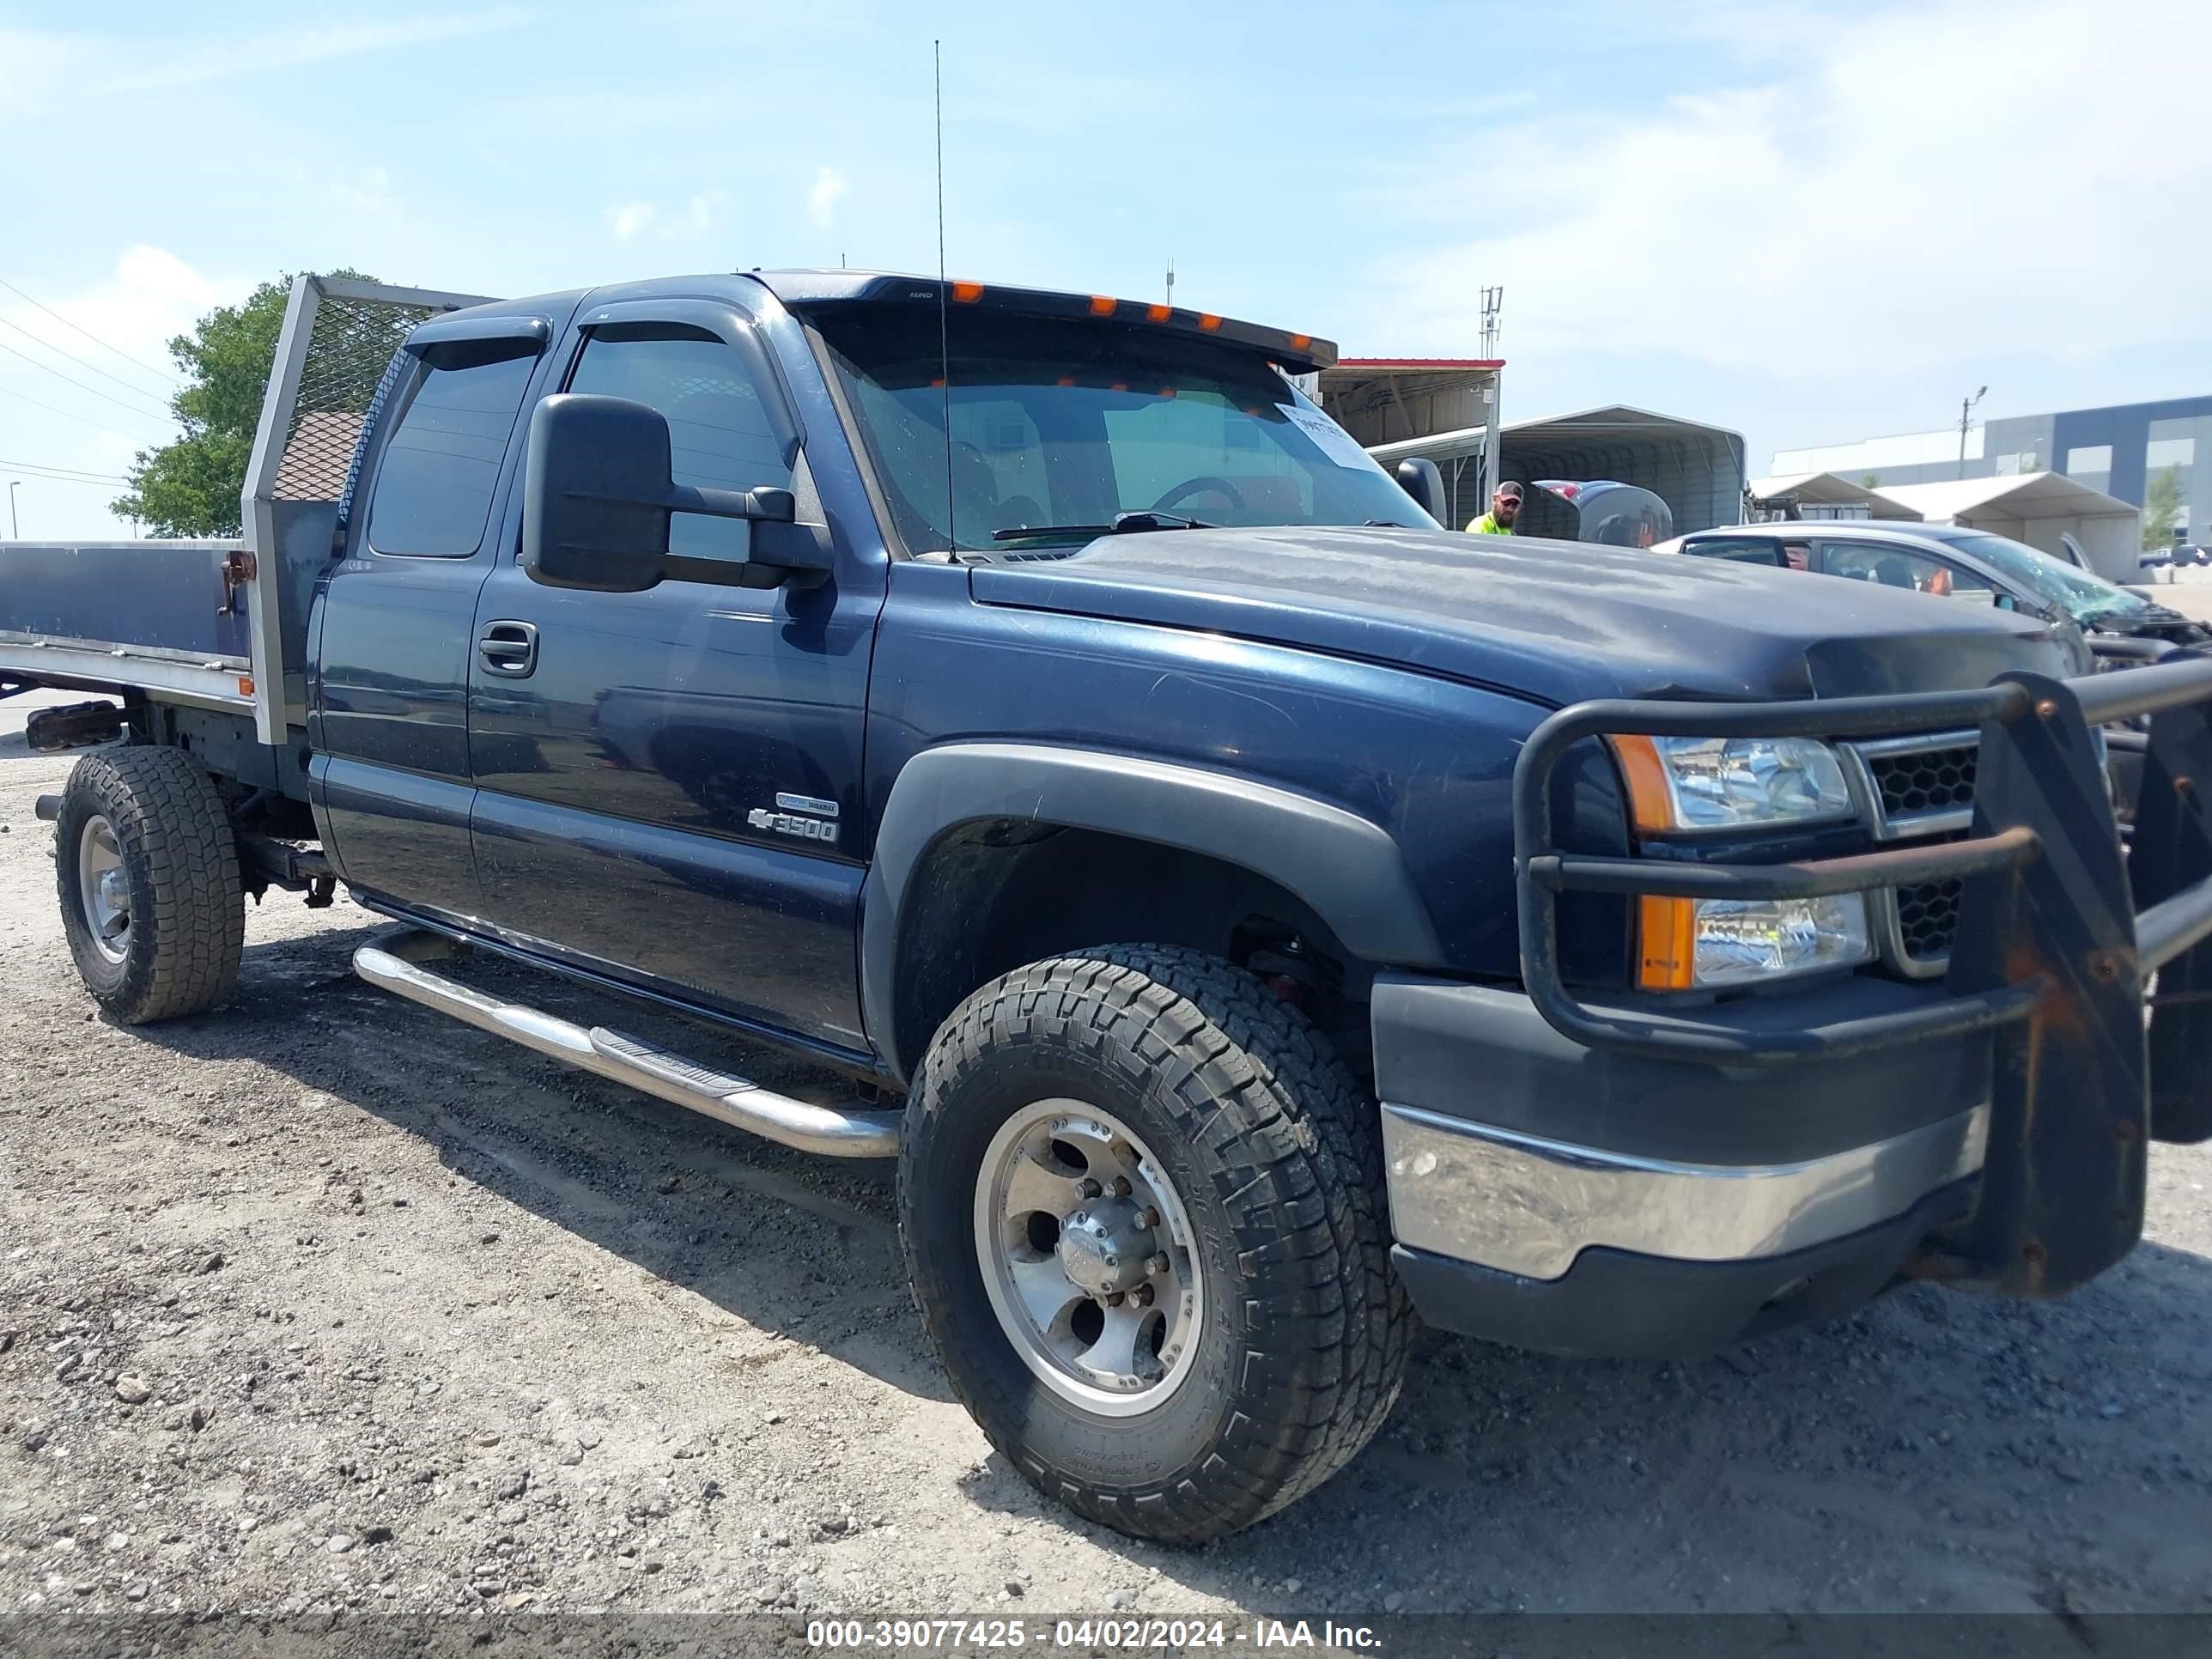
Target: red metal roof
(1420,363)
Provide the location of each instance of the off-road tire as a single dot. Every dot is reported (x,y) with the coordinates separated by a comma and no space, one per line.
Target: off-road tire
(180,866)
(1277,1155)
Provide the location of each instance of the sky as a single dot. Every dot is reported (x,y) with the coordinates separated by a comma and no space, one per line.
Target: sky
(1806,223)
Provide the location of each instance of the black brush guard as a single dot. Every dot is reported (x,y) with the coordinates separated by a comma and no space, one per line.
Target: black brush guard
(2059,929)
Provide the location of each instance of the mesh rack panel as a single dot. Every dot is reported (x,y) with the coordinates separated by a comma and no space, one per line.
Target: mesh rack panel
(351,346)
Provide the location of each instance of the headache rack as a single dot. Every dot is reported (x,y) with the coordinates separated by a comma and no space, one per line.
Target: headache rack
(335,360)
(2059,927)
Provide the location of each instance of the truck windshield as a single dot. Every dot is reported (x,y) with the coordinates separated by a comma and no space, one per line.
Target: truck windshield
(1061,426)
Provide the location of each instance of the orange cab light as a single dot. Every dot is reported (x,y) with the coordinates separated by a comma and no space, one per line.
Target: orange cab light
(245,686)
(967,292)
(1650,805)
(936,380)
(1102,305)
(1208,321)
(1159,313)
(1167,391)
(1666,943)
(1119,385)
(1301,341)
(1065,379)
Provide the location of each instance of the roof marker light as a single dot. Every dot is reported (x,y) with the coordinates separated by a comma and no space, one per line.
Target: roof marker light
(967,292)
(1159,313)
(1208,321)
(1103,305)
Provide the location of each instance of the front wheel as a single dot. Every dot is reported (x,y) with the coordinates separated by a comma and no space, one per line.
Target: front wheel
(1143,1213)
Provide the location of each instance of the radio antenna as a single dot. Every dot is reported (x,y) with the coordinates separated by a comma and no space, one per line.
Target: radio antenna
(944,328)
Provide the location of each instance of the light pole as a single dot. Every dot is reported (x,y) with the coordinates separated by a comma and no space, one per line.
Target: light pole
(14,530)
(1966,412)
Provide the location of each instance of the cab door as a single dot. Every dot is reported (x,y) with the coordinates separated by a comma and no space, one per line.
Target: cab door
(390,650)
(669,781)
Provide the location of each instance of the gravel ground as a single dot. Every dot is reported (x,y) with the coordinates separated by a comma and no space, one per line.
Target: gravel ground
(321,1301)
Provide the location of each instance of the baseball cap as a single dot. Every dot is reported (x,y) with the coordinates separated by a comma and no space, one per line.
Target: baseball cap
(1511,490)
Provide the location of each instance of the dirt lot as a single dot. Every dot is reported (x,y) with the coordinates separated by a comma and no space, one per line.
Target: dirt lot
(323,1300)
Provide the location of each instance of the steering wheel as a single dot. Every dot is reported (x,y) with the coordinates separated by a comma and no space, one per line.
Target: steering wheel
(1204,481)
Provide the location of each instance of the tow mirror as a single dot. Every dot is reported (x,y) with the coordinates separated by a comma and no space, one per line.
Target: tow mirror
(597,496)
(1419,478)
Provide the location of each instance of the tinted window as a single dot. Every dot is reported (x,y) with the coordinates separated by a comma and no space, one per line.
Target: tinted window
(1055,425)
(1741,550)
(1894,566)
(720,436)
(434,483)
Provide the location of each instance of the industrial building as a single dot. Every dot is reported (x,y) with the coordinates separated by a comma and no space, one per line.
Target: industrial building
(2113,451)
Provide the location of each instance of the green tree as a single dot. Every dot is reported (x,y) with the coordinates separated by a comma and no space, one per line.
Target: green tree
(190,487)
(1871,481)
(2162,505)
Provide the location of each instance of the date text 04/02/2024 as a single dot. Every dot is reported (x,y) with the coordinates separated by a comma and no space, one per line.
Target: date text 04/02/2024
(1110,1635)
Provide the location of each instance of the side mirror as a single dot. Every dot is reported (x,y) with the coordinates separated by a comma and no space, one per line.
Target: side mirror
(598,494)
(2005,602)
(1419,478)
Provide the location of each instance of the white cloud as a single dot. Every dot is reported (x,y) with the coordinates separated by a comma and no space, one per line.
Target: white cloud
(822,200)
(704,211)
(1931,182)
(630,218)
(40,68)
(151,297)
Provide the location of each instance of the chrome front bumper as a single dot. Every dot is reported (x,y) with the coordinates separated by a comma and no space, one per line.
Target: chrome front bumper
(1518,1204)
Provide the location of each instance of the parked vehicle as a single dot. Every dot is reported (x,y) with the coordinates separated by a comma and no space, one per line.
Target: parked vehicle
(1953,561)
(1600,510)
(1279,915)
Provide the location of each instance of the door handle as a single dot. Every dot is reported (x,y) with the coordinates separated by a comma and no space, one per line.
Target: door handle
(508,648)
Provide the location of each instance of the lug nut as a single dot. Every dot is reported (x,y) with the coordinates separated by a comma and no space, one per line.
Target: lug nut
(1122,1188)
(1148,1217)
(1142,1296)
(1157,1264)
(1113,1298)
(1089,1188)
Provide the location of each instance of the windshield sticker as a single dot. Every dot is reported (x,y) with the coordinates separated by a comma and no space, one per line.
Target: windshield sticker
(1332,440)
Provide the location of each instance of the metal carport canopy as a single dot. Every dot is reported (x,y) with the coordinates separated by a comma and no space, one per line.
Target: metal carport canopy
(2036,508)
(1697,470)
(1826,489)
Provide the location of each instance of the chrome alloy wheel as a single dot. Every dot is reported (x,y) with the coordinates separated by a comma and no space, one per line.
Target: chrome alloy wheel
(103,891)
(1086,1253)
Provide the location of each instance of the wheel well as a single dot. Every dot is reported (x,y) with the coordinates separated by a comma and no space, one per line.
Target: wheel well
(993,894)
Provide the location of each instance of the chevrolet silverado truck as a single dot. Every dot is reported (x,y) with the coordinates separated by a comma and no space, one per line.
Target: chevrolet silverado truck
(1252,916)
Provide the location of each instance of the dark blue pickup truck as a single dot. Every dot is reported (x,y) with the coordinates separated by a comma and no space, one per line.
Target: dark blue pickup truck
(1252,916)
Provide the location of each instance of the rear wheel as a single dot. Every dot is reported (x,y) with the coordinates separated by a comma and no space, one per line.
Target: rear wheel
(1143,1213)
(147,872)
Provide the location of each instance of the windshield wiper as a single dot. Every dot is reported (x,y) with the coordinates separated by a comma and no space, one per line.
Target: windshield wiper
(1124,523)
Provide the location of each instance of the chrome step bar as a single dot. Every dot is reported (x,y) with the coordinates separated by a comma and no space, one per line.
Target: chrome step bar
(393,961)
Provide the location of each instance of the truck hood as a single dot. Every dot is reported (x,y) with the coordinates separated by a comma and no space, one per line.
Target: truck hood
(1551,622)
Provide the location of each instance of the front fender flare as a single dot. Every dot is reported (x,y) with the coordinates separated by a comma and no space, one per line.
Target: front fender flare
(1346,868)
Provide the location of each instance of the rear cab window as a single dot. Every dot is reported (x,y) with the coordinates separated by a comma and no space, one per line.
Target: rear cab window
(440,466)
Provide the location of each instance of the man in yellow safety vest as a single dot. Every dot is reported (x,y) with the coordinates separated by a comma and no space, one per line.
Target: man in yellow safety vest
(1505,508)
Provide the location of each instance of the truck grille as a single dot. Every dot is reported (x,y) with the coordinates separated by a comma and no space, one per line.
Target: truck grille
(1922,788)
(1924,780)
(1927,916)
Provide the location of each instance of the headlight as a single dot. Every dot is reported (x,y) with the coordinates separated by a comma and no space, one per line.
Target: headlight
(1699,944)
(1719,783)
